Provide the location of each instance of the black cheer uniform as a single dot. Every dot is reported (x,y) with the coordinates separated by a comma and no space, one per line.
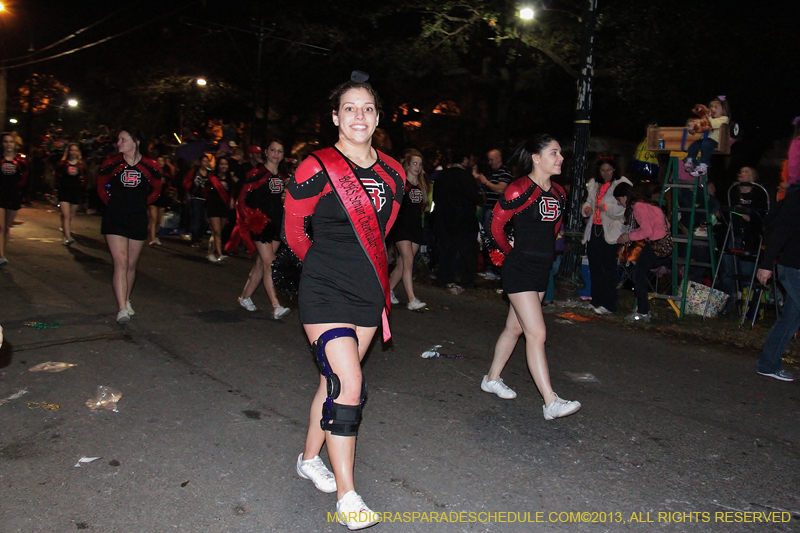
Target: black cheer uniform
(127,190)
(536,216)
(71,181)
(164,200)
(266,196)
(338,283)
(217,202)
(409,221)
(13,175)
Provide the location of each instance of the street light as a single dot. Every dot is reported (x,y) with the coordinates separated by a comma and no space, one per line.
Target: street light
(201,82)
(526,13)
(72,102)
(13,120)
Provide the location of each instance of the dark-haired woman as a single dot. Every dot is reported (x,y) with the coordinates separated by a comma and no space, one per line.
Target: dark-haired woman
(127,183)
(261,196)
(653,226)
(13,175)
(603,226)
(157,208)
(195,184)
(534,205)
(218,205)
(70,175)
(350,194)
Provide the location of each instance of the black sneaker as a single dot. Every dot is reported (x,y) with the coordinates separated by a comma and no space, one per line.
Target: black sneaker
(782,375)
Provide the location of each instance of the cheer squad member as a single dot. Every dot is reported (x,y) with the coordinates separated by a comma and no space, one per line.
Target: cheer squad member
(407,233)
(157,208)
(534,205)
(13,175)
(218,204)
(262,212)
(70,175)
(351,194)
(195,184)
(127,183)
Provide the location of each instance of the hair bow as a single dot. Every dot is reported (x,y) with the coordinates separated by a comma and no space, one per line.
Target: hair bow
(609,158)
(721,97)
(795,121)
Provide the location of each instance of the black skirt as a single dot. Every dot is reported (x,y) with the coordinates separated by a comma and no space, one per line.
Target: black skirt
(130,224)
(71,195)
(525,272)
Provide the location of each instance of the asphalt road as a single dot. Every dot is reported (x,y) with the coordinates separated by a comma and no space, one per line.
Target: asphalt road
(674,437)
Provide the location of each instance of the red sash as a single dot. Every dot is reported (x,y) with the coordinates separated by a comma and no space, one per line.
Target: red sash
(221,190)
(363,218)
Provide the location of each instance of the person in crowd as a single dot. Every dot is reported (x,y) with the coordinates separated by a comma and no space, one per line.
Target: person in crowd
(407,232)
(720,113)
(604,220)
(783,248)
(748,208)
(493,188)
(262,210)
(157,208)
(457,199)
(13,175)
(654,231)
(195,184)
(240,235)
(70,176)
(218,204)
(534,205)
(351,194)
(127,183)
(791,174)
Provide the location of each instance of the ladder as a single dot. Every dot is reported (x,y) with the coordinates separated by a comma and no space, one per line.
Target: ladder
(689,242)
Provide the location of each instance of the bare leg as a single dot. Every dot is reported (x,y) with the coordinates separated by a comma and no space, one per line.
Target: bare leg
(408,250)
(345,360)
(7,217)
(134,249)
(397,272)
(215,243)
(266,252)
(254,279)
(66,218)
(528,308)
(505,344)
(152,227)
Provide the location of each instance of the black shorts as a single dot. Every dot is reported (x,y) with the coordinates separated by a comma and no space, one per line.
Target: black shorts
(162,201)
(10,199)
(525,272)
(132,225)
(71,195)
(271,232)
(406,232)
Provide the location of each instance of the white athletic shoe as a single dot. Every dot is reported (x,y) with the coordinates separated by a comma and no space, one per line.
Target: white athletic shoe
(559,408)
(354,513)
(128,308)
(498,387)
(280,312)
(393,298)
(416,305)
(315,470)
(123,317)
(248,304)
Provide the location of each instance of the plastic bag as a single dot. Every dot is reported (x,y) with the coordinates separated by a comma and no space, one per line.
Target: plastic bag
(105,399)
(51,366)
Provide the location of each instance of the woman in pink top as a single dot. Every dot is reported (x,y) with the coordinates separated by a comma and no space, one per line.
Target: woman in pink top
(652,226)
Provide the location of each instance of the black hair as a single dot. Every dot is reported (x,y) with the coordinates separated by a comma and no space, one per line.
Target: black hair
(602,160)
(137,136)
(522,159)
(632,195)
(338,92)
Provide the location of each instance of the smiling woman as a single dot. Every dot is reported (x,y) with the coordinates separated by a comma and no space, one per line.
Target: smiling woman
(351,194)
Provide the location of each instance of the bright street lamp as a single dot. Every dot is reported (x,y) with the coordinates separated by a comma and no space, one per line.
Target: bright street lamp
(2,7)
(72,102)
(201,82)
(12,120)
(526,13)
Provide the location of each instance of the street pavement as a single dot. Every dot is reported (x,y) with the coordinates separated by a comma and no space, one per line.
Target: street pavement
(675,436)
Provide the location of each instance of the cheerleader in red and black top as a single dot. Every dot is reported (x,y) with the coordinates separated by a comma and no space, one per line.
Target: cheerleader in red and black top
(407,233)
(218,205)
(534,205)
(13,175)
(157,208)
(70,174)
(195,184)
(350,194)
(127,183)
(261,205)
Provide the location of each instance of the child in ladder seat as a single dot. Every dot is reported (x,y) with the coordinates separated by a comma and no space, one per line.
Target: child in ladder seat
(720,114)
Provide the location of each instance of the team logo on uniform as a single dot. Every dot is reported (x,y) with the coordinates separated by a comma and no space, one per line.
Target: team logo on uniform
(9,168)
(415,195)
(275,185)
(376,190)
(131,177)
(549,208)
(72,170)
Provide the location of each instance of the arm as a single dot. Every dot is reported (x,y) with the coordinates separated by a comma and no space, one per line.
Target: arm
(104,174)
(151,170)
(302,197)
(649,220)
(24,170)
(794,162)
(783,229)
(188,179)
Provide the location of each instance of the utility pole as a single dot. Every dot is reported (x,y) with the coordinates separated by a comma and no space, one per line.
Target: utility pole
(569,275)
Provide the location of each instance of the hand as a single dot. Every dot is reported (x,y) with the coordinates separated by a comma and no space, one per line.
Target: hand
(746,218)
(624,238)
(763,275)
(587,210)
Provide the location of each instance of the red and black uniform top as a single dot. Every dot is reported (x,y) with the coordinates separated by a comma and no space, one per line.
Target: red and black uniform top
(128,187)
(13,172)
(535,214)
(70,174)
(195,183)
(264,191)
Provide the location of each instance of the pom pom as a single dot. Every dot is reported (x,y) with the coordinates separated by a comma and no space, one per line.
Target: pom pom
(497,257)
(255,222)
(286,270)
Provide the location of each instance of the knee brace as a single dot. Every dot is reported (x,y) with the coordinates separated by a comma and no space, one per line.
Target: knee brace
(342,420)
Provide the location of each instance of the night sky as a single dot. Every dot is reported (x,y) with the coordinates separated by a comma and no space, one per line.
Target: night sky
(747,51)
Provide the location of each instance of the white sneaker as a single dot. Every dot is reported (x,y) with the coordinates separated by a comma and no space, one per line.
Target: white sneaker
(315,470)
(352,512)
(394,299)
(280,312)
(123,317)
(498,387)
(559,408)
(600,310)
(248,304)
(128,308)
(212,258)
(416,305)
